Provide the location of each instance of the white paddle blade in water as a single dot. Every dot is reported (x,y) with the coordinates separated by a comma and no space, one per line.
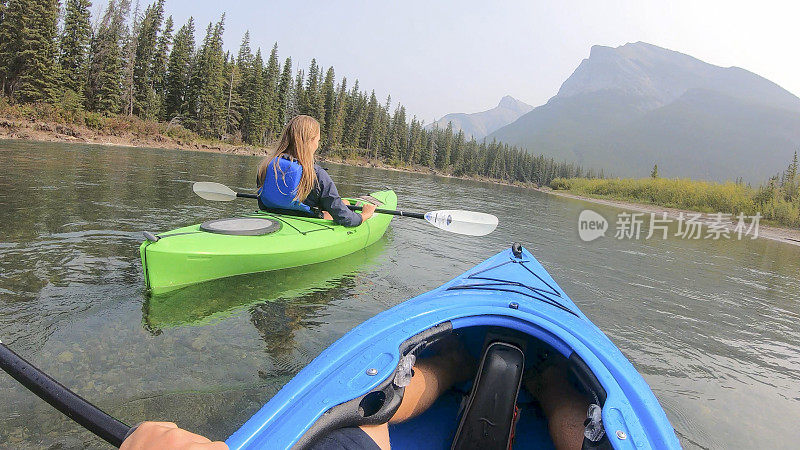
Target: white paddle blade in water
(214,191)
(457,221)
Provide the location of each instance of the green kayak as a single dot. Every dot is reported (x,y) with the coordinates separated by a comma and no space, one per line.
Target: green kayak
(256,242)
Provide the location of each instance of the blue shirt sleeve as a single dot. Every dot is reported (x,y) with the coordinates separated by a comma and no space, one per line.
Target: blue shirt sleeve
(326,197)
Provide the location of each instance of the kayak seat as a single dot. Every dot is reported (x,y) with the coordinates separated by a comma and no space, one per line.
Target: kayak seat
(491,411)
(241,226)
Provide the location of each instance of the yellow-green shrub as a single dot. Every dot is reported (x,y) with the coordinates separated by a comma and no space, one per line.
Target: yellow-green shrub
(684,193)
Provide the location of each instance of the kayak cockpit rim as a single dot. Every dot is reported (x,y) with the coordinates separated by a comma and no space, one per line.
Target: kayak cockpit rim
(379,404)
(376,406)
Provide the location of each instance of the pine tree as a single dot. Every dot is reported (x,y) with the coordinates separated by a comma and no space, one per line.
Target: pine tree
(259,101)
(206,96)
(158,71)
(357,105)
(370,122)
(398,136)
(467,164)
(283,96)
(355,116)
(328,92)
(414,142)
(245,56)
(274,116)
(521,163)
(298,96)
(104,86)
(74,46)
(429,155)
(382,128)
(146,43)
(233,102)
(247,89)
(654,172)
(11,29)
(28,50)
(509,158)
(388,149)
(179,72)
(336,125)
(445,145)
(457,149)
(313,102)
(130,37)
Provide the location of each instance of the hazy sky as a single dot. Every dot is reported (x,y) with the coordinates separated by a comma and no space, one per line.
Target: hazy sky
(437,57)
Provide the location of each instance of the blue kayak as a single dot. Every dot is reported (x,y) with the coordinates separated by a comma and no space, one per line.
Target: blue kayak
(506,311)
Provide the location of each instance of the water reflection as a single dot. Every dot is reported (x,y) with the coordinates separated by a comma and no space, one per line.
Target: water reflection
(212,301)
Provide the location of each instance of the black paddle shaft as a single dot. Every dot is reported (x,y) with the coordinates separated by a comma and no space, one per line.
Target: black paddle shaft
(356,208)
(392,212)
(71,404)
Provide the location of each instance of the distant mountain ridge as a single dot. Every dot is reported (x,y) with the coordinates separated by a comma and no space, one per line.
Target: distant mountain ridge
(627,108)
(480,124)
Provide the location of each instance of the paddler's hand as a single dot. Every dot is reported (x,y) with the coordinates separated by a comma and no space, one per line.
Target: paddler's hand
(167,435)
(367,210)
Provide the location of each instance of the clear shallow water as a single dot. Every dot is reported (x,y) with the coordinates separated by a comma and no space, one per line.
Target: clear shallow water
(713,326)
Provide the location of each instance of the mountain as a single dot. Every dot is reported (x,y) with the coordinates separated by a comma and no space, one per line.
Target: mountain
(480,124)
(627,108)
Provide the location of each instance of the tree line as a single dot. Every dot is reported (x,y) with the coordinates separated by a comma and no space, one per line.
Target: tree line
(132,62)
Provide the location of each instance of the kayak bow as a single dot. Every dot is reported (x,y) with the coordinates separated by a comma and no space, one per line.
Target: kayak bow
(511,294)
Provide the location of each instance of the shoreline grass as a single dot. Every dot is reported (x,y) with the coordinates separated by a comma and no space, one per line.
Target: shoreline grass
(778,203)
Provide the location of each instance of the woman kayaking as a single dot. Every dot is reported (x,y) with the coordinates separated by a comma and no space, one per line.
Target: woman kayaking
(289,180)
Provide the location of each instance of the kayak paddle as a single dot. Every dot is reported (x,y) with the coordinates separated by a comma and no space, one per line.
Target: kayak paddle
(71,404)
(456,221)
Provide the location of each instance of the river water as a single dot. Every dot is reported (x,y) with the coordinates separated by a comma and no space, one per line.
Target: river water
(713,326)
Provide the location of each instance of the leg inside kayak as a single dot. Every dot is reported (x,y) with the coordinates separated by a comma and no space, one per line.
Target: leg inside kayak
(521,389)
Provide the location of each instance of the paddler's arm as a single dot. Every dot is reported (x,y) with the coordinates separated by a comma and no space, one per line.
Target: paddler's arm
(326,197)
(167,435)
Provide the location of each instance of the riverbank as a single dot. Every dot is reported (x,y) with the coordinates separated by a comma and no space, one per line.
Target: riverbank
(775,233)
(156,135)
(134,132)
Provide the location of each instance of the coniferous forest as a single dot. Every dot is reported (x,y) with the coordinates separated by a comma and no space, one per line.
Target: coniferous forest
(133,62)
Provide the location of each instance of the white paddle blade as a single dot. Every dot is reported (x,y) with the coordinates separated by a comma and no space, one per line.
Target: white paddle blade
(457,221)
(214,191)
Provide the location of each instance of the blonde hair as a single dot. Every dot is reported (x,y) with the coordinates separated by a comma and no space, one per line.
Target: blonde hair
(296,142)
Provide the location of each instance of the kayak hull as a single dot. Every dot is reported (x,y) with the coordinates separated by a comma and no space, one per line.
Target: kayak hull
(188,255)
(509,291)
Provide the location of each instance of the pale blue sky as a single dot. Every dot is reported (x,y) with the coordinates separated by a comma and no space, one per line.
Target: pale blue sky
(437,57)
